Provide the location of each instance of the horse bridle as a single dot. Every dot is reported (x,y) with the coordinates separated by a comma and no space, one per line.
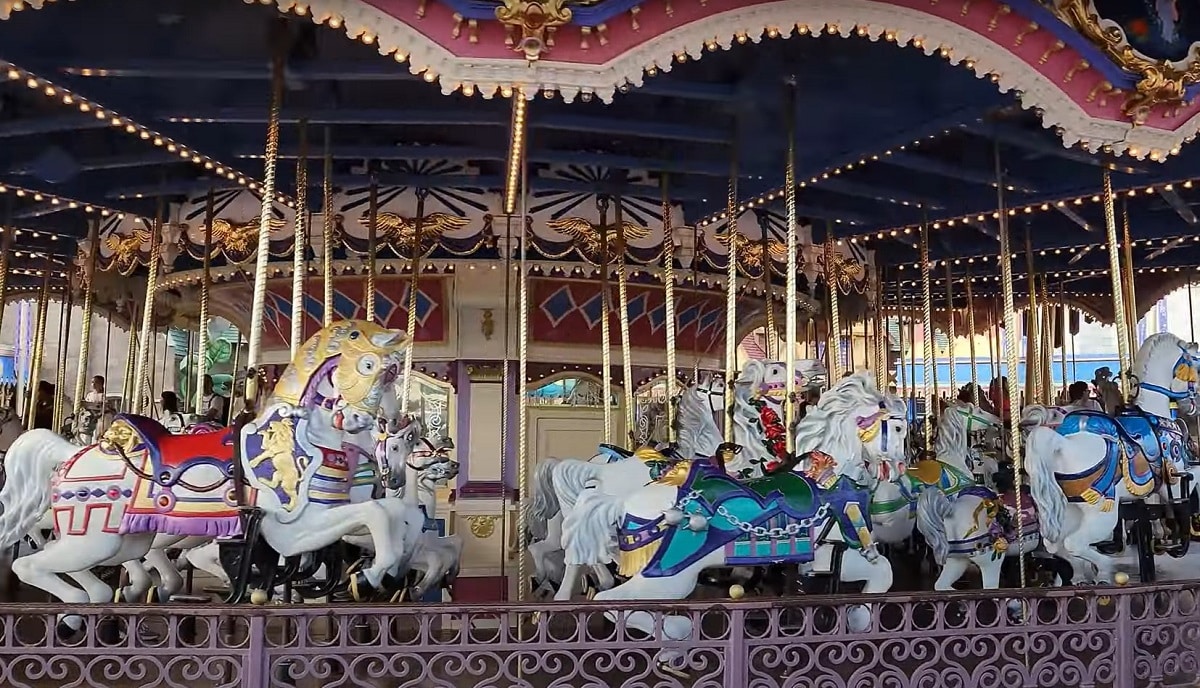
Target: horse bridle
(1192,362)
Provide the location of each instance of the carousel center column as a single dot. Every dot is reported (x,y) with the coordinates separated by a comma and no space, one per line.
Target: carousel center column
(485,501)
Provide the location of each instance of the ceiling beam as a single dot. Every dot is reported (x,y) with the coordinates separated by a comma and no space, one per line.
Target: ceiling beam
(1174,200)
(845,187)
(331,116)
(1019,138)
(928,165)
(1074,217)
(33,126)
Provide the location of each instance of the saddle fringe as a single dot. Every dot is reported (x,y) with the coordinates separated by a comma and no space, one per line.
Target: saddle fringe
(633,562)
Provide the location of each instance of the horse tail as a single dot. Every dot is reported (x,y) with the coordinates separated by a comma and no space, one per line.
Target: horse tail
(1043,444)
(570,479)
(588,531)
(933,509)
(28,466)
(544,502)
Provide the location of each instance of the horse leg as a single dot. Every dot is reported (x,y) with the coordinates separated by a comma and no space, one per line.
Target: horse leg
(877,577)
(207,558)
(71,554)
(952,570)
(569,582)
(1093,527)
(140,581)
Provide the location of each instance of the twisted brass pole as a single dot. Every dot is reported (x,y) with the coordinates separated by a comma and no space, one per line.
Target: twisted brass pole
(951,334)
(1033,340)
(831,279)
(414,287)
(623,321)
(731,289)
(605,334)
(523,351)
(65,305)
(210,215)
(1010,324)
(6,239)
(327,311)
(669,307)
(971,341)
(1120,314)
(880,334)
(141,375)
(791,287)
(39,349)
(1130,299)
(300,242)
(373,250)
(927,344)
(89,305)
(263,257)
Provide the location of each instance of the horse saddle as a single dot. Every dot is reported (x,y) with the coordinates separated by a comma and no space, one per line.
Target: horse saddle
(791,493)
(170,456)
(615,453)
(1144,441)
(936,474)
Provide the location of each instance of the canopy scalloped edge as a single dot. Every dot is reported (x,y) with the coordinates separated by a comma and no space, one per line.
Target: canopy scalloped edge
(873,18)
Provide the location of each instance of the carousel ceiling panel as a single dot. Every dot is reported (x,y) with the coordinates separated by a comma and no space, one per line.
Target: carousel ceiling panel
(885,138)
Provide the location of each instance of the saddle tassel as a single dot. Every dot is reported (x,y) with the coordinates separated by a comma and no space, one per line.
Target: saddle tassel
(632,562)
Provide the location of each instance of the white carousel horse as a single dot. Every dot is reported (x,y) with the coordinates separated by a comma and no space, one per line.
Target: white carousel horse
(758,430)
(697,516)
(965,523)
(112,499)
(558,483)
(893,504)
(427,466)
(1081,472)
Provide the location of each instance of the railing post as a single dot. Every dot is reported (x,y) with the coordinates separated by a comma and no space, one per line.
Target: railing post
(256,672)
(1125,648)
(735,654)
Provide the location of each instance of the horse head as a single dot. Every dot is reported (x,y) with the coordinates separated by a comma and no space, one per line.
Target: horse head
(955,427)
(1166,369)
(344,371)
(859,428)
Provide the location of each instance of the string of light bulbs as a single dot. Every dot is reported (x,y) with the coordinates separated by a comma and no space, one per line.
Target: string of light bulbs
(121,122)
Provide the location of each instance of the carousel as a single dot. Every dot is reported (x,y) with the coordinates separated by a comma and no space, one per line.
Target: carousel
(565,343)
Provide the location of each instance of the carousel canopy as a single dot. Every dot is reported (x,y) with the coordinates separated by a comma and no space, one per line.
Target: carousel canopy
(137,101)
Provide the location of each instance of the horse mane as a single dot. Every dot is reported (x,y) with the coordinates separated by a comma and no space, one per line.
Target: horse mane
(831,426)
(1150,349)
(692,418)
(951,435)
(745,416)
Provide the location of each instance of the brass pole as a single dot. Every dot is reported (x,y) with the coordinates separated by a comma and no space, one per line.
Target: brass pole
(831,278)
(1062,324)
(951,334)
(731,280)
(300,242)
(1010,323)
(1033,340)
(971,340)
(605,335)
(523,353)
(89,307)
(414,287)
(695,295)
(258,306)
(900,364)
(127,383)
(141,375)
(1120,314)
(327,311)
(210,215)
(1131,306)
(927,344)
(912,360)
(39,349)
(65,305)
(623,321)
(6,239)
(373,250)
(669,306)
(771,331)
(880,334)
(791,285)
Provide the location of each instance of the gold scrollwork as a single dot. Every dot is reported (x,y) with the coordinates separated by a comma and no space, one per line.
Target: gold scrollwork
(1161,82)
(536,21)
(482,526)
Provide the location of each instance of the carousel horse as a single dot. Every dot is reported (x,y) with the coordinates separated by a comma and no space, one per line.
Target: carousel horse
(1081,472)
(698,516)
(111,499)
(427,466)
(558,483)
(968,523)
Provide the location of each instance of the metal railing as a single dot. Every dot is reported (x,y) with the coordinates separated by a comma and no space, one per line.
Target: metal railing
(1142,637)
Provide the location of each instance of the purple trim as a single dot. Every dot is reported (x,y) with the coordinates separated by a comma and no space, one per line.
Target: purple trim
(226,526)
(462,420)
(310,396)
(484,490)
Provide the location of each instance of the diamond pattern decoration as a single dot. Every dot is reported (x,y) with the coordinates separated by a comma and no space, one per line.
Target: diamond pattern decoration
(559,305)
(688,316)
(637,306)
(592,308)
(658,317)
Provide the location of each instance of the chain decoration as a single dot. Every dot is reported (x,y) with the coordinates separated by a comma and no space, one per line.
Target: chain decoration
(776,533)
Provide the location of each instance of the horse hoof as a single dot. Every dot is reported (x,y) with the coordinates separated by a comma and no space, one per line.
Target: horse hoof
(666,668)
(360,587)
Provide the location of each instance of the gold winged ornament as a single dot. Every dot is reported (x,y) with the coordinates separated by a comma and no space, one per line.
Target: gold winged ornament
(844,271)
(750,251)
(399,231)
(240,238)
(124,248)
(586,235)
